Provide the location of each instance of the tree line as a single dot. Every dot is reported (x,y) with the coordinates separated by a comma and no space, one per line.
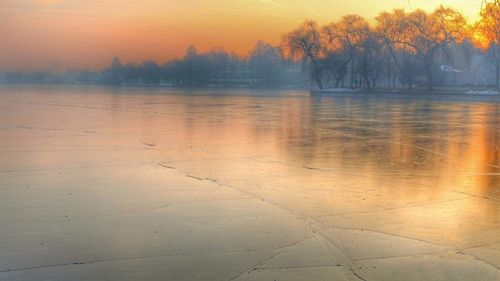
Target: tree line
(399,49)
(264,66)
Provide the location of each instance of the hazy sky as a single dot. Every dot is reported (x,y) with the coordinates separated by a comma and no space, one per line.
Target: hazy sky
(88,33)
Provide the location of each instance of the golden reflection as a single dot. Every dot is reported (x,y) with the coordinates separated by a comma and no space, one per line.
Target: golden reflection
(423,169)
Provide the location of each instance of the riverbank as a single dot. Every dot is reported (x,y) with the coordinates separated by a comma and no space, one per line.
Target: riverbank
(481,94)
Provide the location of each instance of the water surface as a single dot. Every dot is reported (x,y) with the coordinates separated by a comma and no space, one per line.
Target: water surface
(114,178)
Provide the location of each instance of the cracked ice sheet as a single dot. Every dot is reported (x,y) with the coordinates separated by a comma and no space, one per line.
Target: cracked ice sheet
(436,223)
(431,267)
(315,192)
(202,267)
(81,194)
(250,187)
(313,273)
(488,253)
(209,227)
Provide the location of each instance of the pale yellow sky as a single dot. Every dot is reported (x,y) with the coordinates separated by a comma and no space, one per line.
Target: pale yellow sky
(87,33)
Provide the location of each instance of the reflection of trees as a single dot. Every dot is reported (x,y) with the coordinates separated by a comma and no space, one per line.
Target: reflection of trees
(489,152)
(434,143)
(406,139)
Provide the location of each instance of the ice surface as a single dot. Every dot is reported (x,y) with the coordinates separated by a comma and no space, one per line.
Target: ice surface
(151,184)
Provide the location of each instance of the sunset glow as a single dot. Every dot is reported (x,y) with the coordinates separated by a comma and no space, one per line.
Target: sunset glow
(62,34)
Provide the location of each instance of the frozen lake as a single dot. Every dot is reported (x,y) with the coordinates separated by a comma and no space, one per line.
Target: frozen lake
(101,183)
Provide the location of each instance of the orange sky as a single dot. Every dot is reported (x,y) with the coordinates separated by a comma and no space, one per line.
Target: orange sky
(66,34)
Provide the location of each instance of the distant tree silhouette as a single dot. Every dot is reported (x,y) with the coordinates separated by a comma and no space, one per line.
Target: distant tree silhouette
(116,71)
(151,73)
(265,64)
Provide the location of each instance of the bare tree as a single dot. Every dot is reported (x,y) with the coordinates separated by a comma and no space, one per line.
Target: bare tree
(391,29)
(370,59)
(427,34)
(305,42)
(341,43)
(422,35)
(487,35)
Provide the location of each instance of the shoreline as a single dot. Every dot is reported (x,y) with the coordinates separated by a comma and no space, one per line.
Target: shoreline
(461,94)
(437,94)
(162,86)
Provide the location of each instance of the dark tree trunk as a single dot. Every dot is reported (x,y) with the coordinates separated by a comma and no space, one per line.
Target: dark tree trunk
(367,81)
(316,74)
(318,78)
(337,82)
(429,61)
(428,72)
(389,71)
(498,77)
